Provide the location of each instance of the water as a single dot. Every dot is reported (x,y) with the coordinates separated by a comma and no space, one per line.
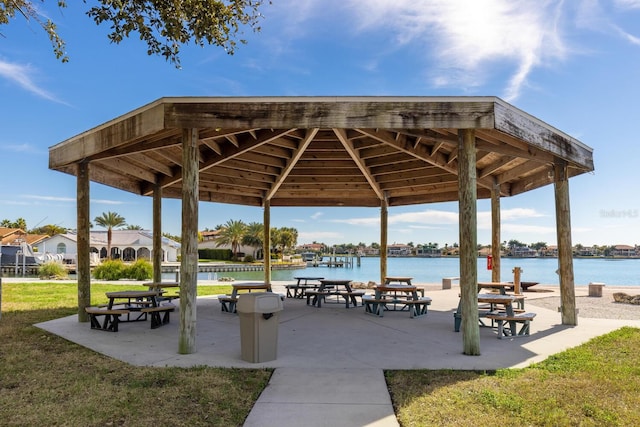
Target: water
(622,272)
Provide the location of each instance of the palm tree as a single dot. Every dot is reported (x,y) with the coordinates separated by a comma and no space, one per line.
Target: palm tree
(109,220)
(254,236)
(284,238)
(49,229)
(232,233)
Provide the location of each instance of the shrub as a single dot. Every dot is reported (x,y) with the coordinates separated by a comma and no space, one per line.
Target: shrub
(215,254)
(139,270)
(52,270)
(116,269)
(248,258)
(109,270)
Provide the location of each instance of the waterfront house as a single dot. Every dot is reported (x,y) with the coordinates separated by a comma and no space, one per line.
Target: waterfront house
(128,245)
(624,251)
(428,251)
(209,242)
(399,250)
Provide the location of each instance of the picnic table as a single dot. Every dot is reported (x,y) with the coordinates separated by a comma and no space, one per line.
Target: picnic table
(229,302)
(396,297)
(302,285)
(160,287)
(399,279)
(136,305)
(501,310)
(499,286)
(502,287)
(330,287)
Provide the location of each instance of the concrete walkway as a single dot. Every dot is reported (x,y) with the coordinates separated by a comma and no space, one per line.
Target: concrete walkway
(330,361)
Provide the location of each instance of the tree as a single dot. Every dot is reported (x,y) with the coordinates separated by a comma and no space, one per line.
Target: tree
(49,229)
(232,233)
(133,227)
(538,245)
(109,220)
(254,236)
(287,238)
(164,26)
(20,223)
(172,237)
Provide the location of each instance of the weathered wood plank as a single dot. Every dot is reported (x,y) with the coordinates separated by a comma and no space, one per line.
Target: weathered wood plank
(84,265)
(468,242)
(535,132)
(136,124)
(496,241)
(280,113)
(384,225)
(157,233)
(189,243)
(565,251)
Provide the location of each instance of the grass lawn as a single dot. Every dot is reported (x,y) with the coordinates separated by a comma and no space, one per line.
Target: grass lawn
(46,380)
(595,384)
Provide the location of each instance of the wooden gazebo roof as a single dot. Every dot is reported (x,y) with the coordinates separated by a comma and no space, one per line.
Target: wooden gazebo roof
(323,151)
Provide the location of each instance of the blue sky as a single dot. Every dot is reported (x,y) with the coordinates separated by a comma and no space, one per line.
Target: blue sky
(573,64)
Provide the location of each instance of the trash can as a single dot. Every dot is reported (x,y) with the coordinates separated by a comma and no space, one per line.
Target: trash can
(259,313)
(595,289)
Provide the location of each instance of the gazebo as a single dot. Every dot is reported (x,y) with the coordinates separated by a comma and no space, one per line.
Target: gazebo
(327,151)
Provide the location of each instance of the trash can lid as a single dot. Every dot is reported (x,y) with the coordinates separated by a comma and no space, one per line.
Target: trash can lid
(259,302)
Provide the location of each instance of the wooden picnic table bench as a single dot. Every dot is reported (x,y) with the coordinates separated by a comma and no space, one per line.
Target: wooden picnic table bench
(159,314)
(523,319)
(110,321)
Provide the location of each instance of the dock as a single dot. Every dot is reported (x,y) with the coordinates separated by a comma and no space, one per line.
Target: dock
(335,261)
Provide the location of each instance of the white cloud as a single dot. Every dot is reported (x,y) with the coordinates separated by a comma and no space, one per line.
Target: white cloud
(628,4)
(107,202)
(23,148)
(518,213)
(358,221)
(310,236)
(468,37)
(429,216)
(521,229)
(22,75)
(316,215)
(49,198)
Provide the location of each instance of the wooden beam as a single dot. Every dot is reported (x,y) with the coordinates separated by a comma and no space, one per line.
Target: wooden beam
(565,251)
(266,245)
(83,266)
(291,162)
(468,230)
(157,233)
(348,145)
(330,112)
(445,162)
(495,232)
(538,134)
(384,229)
(189,243)
(135,125)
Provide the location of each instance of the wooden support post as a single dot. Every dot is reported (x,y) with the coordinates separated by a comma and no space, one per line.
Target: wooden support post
(83,265)
(384,219)
(495,232)
(157,233)
(516,279)
(267,241)
(467,197)
(189,244)
(565,251)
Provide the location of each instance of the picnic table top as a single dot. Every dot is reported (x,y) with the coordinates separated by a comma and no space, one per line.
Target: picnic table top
(130,294)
